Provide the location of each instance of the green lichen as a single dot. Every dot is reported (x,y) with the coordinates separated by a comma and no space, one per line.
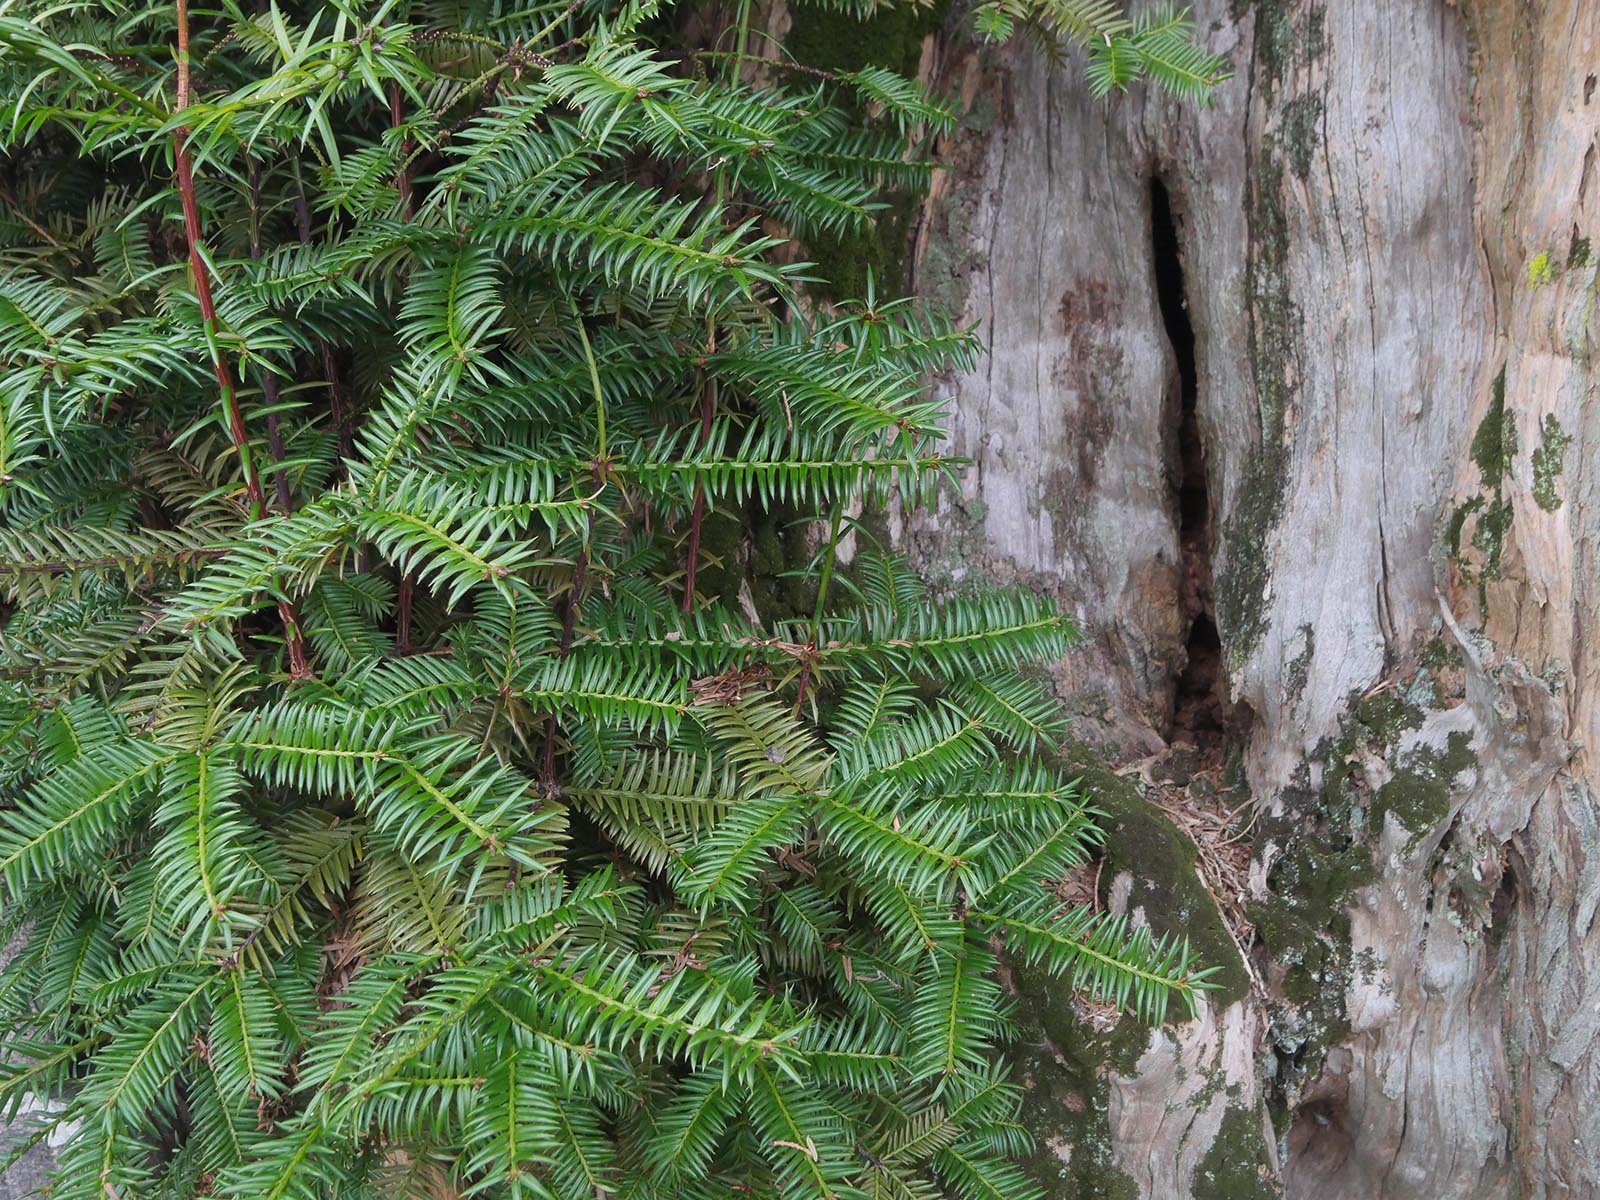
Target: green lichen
(1541,269)
(1316,37)
(1547,463)
(1489,537)
(1237,1165)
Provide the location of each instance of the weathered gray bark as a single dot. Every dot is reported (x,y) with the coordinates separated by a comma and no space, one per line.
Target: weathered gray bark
(1383,225)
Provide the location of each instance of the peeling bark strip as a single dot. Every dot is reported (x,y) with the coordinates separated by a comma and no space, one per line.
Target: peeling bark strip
(233,419)
(1369,339)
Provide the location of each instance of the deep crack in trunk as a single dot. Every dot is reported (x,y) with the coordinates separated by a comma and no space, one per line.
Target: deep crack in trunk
(1197,714)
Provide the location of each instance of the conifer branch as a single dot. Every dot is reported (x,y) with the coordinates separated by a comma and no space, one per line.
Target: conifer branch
(199,269)
(425,923)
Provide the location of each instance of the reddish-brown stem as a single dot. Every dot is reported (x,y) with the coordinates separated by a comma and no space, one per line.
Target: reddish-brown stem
(708,402)
(402,181)
(402,614)
(805,682)
(696,520)
(280,480)
(233,418)
(337,409)
(269,382)
(569,619)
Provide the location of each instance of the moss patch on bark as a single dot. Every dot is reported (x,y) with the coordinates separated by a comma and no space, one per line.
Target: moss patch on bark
(1064,1063)
(1237,1166)
(1274,349)
(1418,794)
(1493,450)
(1061,1064)
(1548,462)
(1141,841)
(834,41)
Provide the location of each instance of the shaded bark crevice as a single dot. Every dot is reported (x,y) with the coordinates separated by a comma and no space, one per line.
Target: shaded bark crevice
(1197,705)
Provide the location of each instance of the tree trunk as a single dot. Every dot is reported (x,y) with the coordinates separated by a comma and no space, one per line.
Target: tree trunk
(1288,399)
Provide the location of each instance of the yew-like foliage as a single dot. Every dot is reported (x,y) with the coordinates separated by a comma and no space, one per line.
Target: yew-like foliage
(387,807)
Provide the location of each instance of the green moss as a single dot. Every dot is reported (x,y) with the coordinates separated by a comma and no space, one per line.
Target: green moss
(721,553)
(1548,463)
(779,585)
(1493,449)
(1301,134)
(1273,349)
(1323,857)
(1286,34)
(1141,841)
(1439,655)
(1458,522)
(825,38)
(1064,1066)
(1300,668)
(1385,715)
(1322,861)
(1418,794)
(844,262)
(1494,444)
(832,41)
(1577,252)
(1237,1165)
(1304,925)
(1060,1063)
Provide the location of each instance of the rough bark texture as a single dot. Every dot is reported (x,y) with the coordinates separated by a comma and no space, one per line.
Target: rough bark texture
(1382,228)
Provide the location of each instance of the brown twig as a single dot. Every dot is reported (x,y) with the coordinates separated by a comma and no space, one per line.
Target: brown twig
(708,402)
(402,180)
(569,619)
(233,418)
(402,614)
(337,409)
(11,202)
(269,382)
(402,183)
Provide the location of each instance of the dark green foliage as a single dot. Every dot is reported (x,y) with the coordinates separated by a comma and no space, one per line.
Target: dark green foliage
(1158,43)
(386,808)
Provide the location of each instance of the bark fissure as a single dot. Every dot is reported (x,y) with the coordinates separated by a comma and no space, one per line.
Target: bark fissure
(1196,708)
